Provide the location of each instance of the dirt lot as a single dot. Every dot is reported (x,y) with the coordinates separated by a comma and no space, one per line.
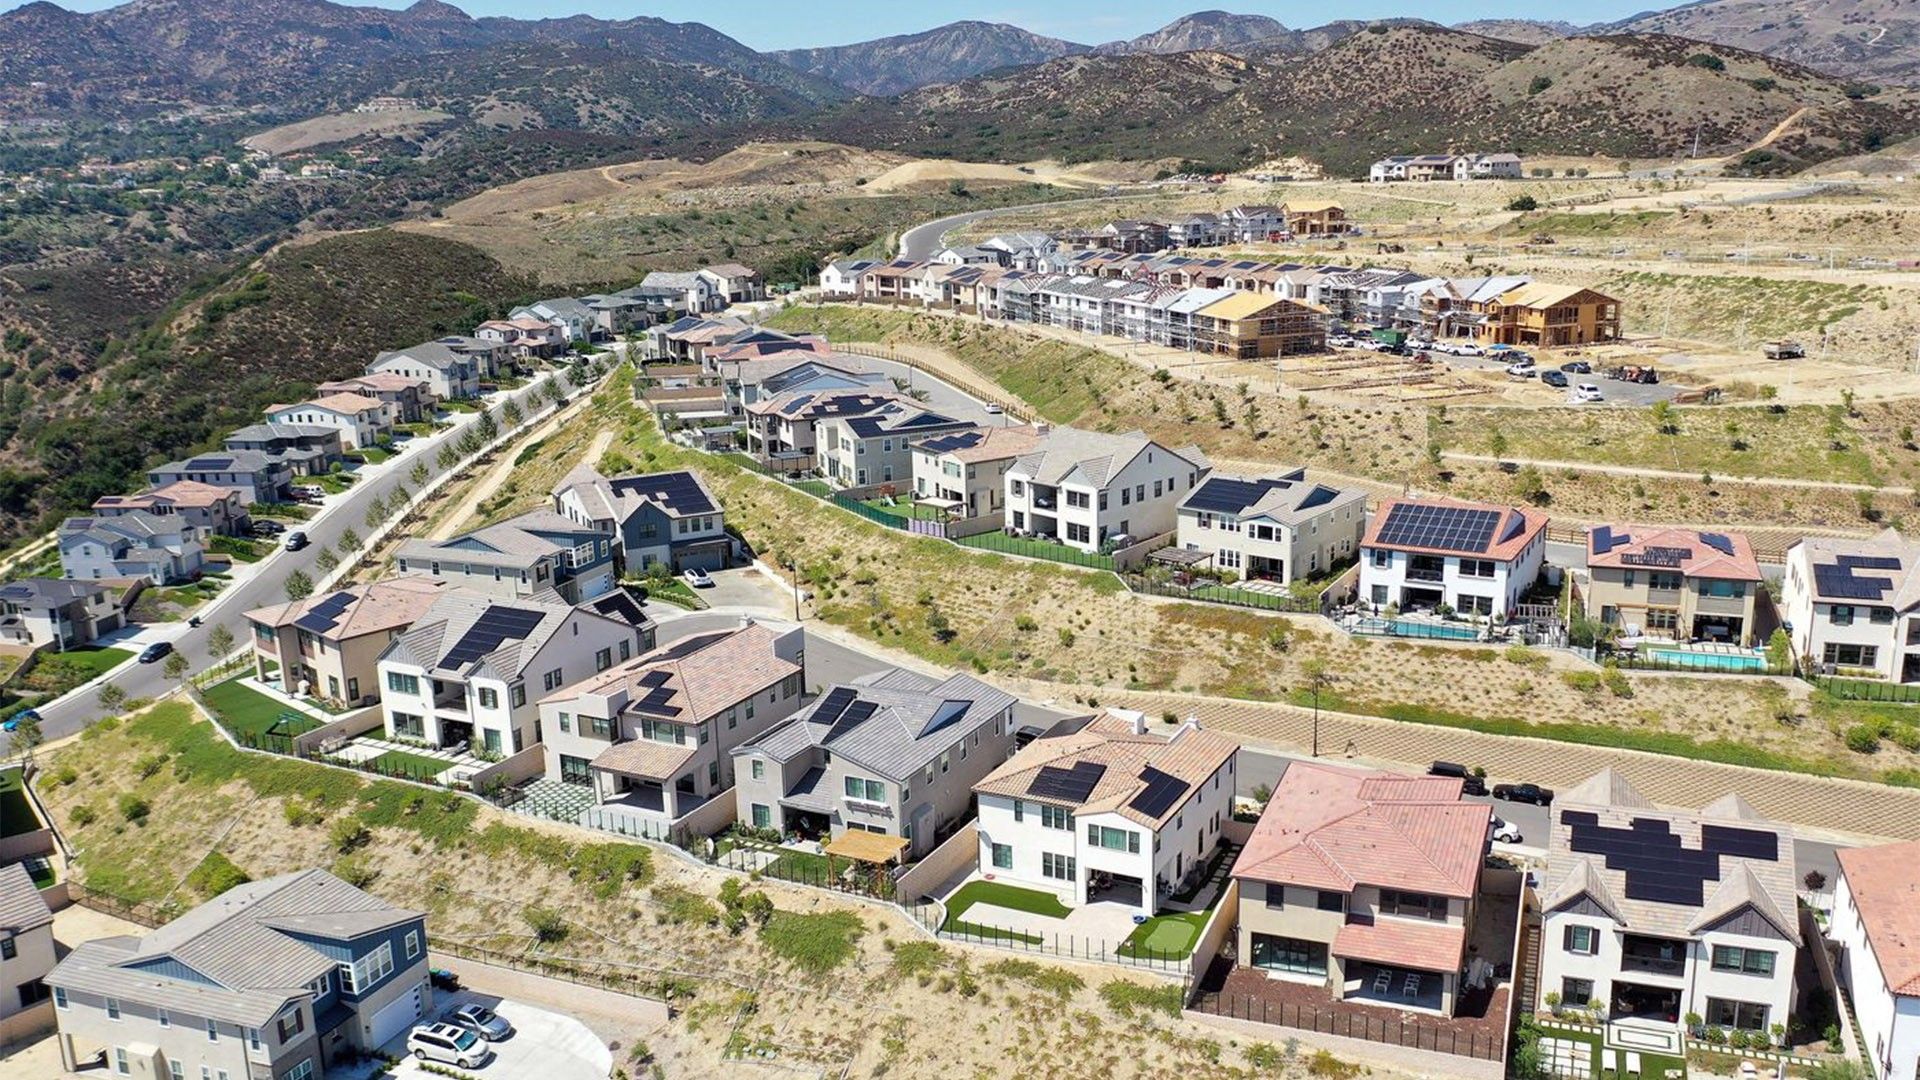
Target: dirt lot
(341,127)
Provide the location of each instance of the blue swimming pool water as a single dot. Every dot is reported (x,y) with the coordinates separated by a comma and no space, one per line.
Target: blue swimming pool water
(1410,628)
(1708,661)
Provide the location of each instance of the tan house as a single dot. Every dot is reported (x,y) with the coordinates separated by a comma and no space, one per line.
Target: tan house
(1676,584)
(1365,883)
(963,474)
(1249,325)
(327,645)
(1315,218)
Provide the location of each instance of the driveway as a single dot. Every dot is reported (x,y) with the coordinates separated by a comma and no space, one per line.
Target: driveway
(544,1044)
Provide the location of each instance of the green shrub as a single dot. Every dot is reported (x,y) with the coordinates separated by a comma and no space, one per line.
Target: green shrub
(215,875)
(547,924)
(1587,682)
(1323,1064)
(678,906)
(1128,998)
(815,943)
(1863,738)
(348,834)
(133,807)
(918,958)
(83,815)
(1617,682)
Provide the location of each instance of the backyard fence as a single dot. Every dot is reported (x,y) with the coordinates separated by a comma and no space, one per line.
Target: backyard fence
(1865,690)
(806,868)
(148,915)
(1215,593)
(600,975)
(1351,1024)
(933,917)
(1049,550)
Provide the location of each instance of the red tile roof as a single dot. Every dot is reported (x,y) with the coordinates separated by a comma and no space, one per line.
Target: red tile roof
(1330,828)
(1885,884)
(1427,946)
(1701,559)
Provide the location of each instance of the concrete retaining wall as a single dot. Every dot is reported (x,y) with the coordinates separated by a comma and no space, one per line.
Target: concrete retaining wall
(1134,555)
(348,726)
(1218,931)
(941,865)
(524,765)
(711,816)
(26,846)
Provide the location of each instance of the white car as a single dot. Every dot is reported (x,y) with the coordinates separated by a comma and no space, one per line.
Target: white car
(1586,391)
(1521,371)
(1505,831)
(993,409)
(450,1045)
(697,578)
(1464,349)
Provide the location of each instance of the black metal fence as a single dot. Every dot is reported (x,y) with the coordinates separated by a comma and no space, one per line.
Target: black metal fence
(805,868)
(1352,1024)
(1215,593)
(391,768)
(1035,549)
(1061,946)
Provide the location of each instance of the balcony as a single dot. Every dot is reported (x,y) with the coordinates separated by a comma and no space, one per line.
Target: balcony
(1426,568)
(1653,956)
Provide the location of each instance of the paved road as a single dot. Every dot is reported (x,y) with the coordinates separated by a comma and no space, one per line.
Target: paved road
(267,584)
(923,240)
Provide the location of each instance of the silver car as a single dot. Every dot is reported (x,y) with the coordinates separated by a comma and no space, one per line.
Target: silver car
(482,1021)
(449,1044)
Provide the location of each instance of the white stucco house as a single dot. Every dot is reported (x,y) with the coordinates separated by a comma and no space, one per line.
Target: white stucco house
(1876,922)
(1086,488)
(1475,558)
(1853,605)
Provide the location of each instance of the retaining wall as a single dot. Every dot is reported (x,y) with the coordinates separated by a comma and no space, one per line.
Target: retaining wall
(956,853)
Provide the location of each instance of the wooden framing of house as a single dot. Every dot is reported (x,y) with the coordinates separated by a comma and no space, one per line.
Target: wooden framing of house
(1249,326)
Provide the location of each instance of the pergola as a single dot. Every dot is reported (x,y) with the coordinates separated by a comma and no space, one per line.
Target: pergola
(867,847)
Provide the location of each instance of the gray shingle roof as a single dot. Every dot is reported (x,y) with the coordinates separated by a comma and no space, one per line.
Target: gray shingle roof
(915,720)
(47,591)
(1094,455)
(22,908)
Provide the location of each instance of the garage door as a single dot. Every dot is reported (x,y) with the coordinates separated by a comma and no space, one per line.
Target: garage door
(708,558)
(394,1018)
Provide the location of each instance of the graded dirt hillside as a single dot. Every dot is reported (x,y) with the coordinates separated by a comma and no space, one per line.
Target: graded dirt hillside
(344,127)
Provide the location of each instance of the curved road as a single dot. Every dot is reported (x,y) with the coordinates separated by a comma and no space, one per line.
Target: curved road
(922,241)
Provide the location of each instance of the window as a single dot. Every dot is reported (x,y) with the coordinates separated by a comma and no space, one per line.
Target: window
(1662,619)
(176,1071)
(1482,568)
(1381,557)
(1842,615)
(1744,961)
(1276,897)
(759,769)
(413,944)
(1413,905)
(213,1030)
(403,684)
(1055,817)
(1290,954)
(60,997)
(576,770)
(8,948)
(1101,836)
(661,731)
(290,1023)
(1583,940)
(1330,901)
(762,815)
(866,790)
(160,1017)
(489,698)
(302,1071)
(113,1008)
(1852,655)
(566,723)
(1745,1015)
(363,973)
(1019,809)
(1002,857)
(603,659)
(1576,992)
(551,680)
(120,1061)
(516,695)
(1059,867)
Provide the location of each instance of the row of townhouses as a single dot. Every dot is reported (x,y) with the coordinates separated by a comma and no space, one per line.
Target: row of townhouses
(1421,167)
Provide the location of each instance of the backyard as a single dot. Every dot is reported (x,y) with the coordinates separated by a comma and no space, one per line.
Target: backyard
(16,813)
(57,673)
(248,713)
(999,894)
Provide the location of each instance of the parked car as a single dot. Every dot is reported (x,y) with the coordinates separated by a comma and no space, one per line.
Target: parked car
(156,651)
(482,1021)
(1469,783)
(1521,371)
(1553,378)
(1505,831)
(1577,367)
(296,540)
(993,409)
(1586,391)
(1464,348)
(698,578)
(265,527)
(449,1044)
(1526,793)
(13,722)
(1515,356)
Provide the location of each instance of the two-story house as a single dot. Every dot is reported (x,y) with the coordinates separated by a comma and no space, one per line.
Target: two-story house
(895,753)
(26,956)
(258,476)
(165,549)
(872,447)
(963,473)
(1086,488)
(842,276)
(216,510)
(1109,813)
(670,518)
(280,978)
(524,337)
(408,401)
(782,430)
(1281,529)
(1474,558)
(1876,922)
(522,556)
(361,421)
(734,284)
(58,613)
(449,374)
(472,670)
(655,737)
(1677,584)
(571,317)
(750,376)
(1663,914)
(308,449)
(1364,883)
(328,645)
(1854,605)
(698,293)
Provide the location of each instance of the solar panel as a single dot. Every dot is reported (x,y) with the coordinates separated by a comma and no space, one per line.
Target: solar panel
(1719,542)
(1840,582)
(324,615)
(1745,843)
(655,678)
(859,712)
(1668,557)
(496,625)
(1226,495)
(1319,496)
(1161,792)
(1603,539)
(203,464)
(940,444)
(1656,863)
(1870,562)
(686,647)
(1445,528)
(829,708)
(656,703)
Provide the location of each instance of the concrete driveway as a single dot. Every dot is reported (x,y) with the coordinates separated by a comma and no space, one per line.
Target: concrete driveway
(545,1044)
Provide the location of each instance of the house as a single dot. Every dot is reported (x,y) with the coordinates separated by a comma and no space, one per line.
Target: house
(1364,883)
(685,340)
(1664,914)
(520,557)
(307,449)
(1851,605)
(1677,584)
(281,977)
(1195,230)
(216,510)
(781,429)
(1134,236)
(471,671)
(855,449)
(895,753)
(408,400)
(163,549)
(1544,314)
(1876,923)
(698,293)
(620,313)
(670,518)
(361,420)
(1254,224)
(655,737)
(26,956)
(963,473)
(1473,558)
(734,284)
(808,369)
(1389,169)
(565,314)
(1281,529)
(1109,813)
(57,613)
(258,476)
(526,336)
(842,276)
(450,375)
(1085,488)
(968,255)
(490,357)
(1487,167)
(1315,217)
(1250,326)
(328,645)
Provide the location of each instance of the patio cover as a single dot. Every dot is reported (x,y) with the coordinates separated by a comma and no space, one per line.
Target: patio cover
(644,758)
(1179,556)
(1398,943)
(868,847)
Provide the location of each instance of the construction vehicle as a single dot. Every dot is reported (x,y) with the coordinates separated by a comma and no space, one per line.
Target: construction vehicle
(1388,249)
(1634,373)
(1783,350)
(1704,395)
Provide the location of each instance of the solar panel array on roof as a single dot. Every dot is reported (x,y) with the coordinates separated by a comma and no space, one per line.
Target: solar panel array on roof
(324,615)
(1839,581)
(1071,785)
(1226,495)
(656,703)
(679,491)
(1446,528)
(1657,864)
(1719,542)
(858,712)
(1870,562)
(1666,557)
(656,677)
(210,464)
(687,646)
(1603,539)
(1515,527)
(497,625)
(1161,792)
(829,708)
(959,440)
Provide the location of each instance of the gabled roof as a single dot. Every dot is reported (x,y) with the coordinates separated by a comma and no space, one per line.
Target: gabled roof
(730,270)
(1093,457)
(893,722)
(1542,294)
(223,461)
(981,443)
(506,635)
(518,541)
(336,403)
(40,590)
(1585,880)
(1884,882)
(1329,828)
(431,354)
(357,610)
(1851,570)
(1288,499)
(1127,769)
(1720,555)
(679,493)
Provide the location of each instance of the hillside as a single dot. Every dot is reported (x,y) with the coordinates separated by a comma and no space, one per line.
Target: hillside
(1524,31)
(950,53)
(1862,39)
(1216,31)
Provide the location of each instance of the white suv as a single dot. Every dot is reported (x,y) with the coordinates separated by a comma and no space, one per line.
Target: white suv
(1586,391)
(450,1044)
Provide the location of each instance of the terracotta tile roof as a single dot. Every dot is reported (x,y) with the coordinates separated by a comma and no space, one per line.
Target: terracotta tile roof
(644,757)
(193,493)
(704,674)
(1192,754)
(1403,943)
(1333,829)
(1517,526)
(380,380)
(1701,558)
(1885,884)
(393,604)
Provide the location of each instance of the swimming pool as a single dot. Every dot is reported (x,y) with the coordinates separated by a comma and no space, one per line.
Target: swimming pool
(1411,628)
(1707,661)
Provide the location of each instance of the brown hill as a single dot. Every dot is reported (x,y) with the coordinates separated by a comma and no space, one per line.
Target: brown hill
(949,53)
(1863,39)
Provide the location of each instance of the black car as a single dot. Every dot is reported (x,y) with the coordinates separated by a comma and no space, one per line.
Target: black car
(156,651)
(1553,378)
(267,528)
(1469,783)
(296,541)
(1527,793)
(1577,367)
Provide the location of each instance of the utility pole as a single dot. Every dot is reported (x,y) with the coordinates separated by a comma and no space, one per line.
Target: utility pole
(795,565)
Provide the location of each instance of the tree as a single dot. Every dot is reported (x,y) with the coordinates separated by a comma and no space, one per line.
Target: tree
(447,459)
(219,642)
(327,561)
(349,541)
(1316,678)
(1663,418)
(418,474)
(176,665)
(27,736)
(1497,444)
(1780,650)
(112,697)
(487,428)
(512,414)
(1528,485)
(376,513)
(298,585)
(1523,204)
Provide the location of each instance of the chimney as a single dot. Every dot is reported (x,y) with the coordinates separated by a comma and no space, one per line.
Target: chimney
(1043,429)
(1192,724)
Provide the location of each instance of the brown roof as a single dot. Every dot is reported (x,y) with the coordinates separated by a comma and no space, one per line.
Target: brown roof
(1330,828)
(1192,754)
(644,757)
(393,604)
(997,443)
(1885,884)
(1532,523)
(1701,559)
(1427,946)
(699,683)
(194,493)
(383,380)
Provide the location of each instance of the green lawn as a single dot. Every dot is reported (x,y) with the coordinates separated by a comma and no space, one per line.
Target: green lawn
(240,550)
(905,508)
(797,866)
(332,483)
(16,813)
(244,710)
(1002,895)
(819,489)
(96,661)
(57,673)
(1652,1066)
(413,766)
(1166,937)
(372,455)
(459,405)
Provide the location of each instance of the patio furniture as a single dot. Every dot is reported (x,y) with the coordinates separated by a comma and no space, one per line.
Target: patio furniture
(1633,1062)
(1411,988)
(1382,981)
